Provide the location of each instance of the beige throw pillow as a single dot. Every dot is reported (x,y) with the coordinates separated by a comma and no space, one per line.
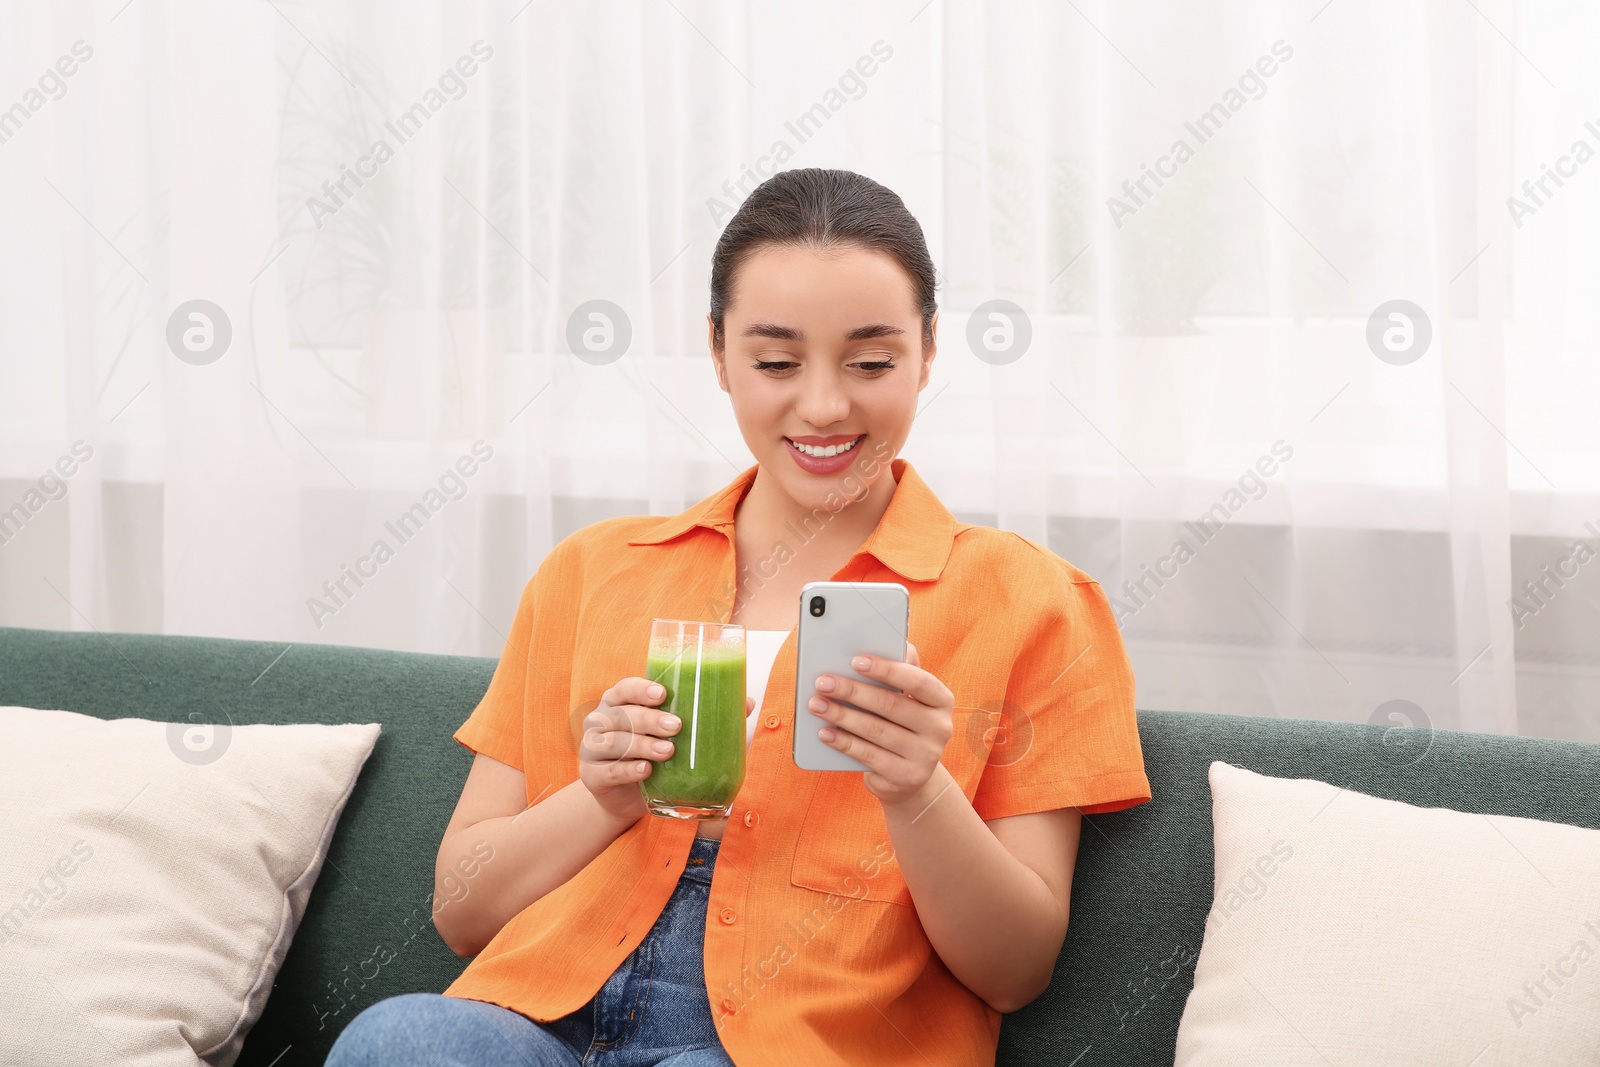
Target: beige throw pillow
(151,877)
(1361,932)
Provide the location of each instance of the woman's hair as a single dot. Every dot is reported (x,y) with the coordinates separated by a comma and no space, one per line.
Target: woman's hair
(823,209)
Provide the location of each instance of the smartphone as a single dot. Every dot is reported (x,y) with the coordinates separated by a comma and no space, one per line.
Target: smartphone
(839,621)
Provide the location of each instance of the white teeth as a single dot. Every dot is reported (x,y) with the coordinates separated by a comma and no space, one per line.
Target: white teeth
(824,451)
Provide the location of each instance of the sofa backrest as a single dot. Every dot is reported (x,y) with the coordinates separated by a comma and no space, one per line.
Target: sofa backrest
(1141,891)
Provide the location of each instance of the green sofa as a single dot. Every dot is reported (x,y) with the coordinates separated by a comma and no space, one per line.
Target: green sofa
(1139,900)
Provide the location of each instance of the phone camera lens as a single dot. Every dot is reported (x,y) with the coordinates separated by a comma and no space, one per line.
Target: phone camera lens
(818,605)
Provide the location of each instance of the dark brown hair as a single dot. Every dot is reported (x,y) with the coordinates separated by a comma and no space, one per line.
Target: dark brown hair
(823,209)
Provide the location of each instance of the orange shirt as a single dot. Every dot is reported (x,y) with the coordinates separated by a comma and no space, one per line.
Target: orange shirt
(814,954)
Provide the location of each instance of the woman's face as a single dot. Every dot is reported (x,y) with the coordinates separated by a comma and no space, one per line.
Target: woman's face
(823,348)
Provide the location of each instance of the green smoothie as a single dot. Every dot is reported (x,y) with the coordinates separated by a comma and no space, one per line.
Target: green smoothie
(706,767)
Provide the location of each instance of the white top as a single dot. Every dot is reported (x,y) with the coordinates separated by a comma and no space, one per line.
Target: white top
(760,650)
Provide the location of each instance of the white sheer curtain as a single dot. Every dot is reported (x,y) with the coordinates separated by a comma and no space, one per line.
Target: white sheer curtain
(1197,371)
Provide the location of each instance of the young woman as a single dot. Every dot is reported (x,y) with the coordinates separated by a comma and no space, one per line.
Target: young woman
(884,917)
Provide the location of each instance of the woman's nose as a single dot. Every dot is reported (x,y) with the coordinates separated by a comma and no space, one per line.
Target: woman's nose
(822,402)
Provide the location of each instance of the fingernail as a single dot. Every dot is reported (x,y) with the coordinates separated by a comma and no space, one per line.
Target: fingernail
(824,683)
(861,663)
(656,692)
(671,721)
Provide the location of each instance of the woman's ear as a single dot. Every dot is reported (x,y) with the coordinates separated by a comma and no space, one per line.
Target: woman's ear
(929,351)
(717,358)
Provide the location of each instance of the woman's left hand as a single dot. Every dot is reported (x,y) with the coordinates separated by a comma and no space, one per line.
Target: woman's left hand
(903,747)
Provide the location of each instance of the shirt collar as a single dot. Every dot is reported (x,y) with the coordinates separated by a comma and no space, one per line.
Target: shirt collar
(913,538)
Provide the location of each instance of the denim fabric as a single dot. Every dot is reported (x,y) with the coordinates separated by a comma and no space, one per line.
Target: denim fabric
(652,1012)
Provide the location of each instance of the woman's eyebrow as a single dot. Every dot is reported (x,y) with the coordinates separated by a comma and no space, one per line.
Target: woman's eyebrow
(789,333)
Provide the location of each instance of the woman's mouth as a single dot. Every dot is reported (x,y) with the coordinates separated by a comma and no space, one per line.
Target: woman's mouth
(827,458)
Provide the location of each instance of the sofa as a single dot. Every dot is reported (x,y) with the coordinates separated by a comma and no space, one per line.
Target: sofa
(1141,892)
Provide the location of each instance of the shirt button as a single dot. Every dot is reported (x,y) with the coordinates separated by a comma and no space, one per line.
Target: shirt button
(751,818)
(727,915)
(729,1006)
(772,722)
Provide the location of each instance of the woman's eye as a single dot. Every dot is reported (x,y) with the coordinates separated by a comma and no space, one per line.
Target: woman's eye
(877,366)
(779,364)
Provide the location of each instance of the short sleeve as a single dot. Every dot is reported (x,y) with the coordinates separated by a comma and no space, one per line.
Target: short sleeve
(534,674)
(1071,734)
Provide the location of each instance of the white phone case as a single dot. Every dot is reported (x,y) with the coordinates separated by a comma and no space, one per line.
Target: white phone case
(858,617)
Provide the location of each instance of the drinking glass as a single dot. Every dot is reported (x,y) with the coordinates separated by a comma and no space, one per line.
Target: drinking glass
(701,666)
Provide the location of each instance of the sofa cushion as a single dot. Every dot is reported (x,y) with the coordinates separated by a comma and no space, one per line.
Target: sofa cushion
(367,932)
(155,875)
(1143,884)
(1346,928)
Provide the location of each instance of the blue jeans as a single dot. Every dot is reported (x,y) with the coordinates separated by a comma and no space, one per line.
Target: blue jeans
(652,1012)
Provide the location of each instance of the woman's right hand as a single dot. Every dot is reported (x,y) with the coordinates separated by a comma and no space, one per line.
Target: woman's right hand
(620,738)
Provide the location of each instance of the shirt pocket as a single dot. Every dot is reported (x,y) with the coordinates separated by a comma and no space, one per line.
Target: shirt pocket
(844,845)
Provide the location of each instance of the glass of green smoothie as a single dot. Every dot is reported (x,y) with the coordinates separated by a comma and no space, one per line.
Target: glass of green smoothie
(701,666)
